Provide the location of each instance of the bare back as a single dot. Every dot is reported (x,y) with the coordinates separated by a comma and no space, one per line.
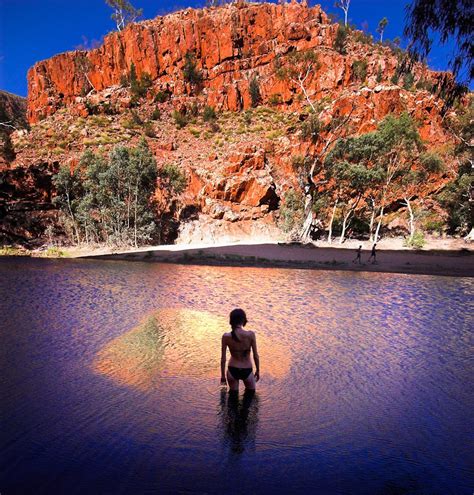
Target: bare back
(240,351)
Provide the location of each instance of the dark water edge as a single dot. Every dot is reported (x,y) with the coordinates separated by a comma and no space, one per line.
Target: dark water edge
(366,381)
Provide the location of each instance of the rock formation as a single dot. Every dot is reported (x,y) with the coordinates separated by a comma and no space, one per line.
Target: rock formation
(239,167)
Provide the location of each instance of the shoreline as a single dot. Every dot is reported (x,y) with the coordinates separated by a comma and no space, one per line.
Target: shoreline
(444,262)
(448,257)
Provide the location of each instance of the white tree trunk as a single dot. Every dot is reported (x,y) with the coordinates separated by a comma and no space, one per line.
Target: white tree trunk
(344,226)
(412,218)
(376,237)
(332,221)
(372,220)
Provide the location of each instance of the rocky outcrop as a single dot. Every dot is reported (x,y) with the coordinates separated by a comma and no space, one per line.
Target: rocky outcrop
(12,117)
(239,168)
(232,45)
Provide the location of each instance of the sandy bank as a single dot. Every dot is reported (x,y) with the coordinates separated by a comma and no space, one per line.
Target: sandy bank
(390,257)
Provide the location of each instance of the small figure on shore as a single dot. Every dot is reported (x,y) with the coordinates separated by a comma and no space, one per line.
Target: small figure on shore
(239,342)
(373,254)
(358,255)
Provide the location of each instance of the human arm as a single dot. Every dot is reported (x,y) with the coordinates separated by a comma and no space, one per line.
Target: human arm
(256,358)
(223,356)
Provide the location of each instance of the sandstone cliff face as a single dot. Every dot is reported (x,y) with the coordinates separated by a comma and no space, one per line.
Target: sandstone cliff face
(12,116)
(237,173)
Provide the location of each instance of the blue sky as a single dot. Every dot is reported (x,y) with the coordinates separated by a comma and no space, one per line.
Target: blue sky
(32,30)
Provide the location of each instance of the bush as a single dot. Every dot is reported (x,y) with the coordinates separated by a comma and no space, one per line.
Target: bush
(291,211)
(341,39)
(301,163)
(431,162)
(379,75)
(149,130)
(274,99)
(191,74)
(417,241)
(180,119)
(139,87)
(174,176)
(395,78)
(408,81)
(156,114)
(311,128)
(161,97)
(359,69)
(209,114)
(254,90)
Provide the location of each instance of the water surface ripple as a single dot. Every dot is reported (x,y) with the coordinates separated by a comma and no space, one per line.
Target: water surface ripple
(110,376)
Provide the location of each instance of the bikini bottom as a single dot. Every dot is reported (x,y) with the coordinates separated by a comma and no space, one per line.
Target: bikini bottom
(240,373)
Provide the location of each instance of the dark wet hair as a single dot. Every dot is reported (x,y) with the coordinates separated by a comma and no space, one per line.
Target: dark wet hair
(237,317)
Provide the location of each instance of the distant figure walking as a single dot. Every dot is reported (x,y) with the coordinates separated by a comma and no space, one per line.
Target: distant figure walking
(373,254)
(358,255)
(239,342)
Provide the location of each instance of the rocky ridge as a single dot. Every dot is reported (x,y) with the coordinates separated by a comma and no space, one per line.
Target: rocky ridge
(239,167)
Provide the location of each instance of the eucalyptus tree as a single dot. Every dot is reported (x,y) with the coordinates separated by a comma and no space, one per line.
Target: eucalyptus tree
(344,5)
(383,23)
(124,12)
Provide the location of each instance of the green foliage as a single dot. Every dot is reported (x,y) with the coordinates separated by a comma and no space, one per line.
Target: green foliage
(156,114)
(209,114)
(139,87)
(417,241)
(340,41)
(180,119)
(274,99)
(379,77)
(456,198)
(108,199)
(365,38)
(311,128)
(124,12)
(431,162)
(383,23)
(191,74)
(395,78)
(254,89)
(176,179)
(149,130)
(292,211)
(301,163)
(408,80)
(451,20)
(359,69)
(161,97)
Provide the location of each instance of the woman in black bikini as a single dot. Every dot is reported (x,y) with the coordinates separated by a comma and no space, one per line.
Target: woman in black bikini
(239,342)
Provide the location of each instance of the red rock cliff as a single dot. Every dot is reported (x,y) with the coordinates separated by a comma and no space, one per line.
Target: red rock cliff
(231,44)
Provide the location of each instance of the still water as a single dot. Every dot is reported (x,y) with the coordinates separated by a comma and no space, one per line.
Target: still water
(110,381)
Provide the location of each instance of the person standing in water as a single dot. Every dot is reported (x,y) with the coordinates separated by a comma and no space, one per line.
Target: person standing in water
(373,254)
(239,342)
(358,255)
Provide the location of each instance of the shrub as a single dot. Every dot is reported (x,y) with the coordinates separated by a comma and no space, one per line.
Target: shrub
(191,74)
(395,78)
(291,211)
(417,241)
(161,97)
(124,82)
(180,119)
(379,75)
(254,90)
(136,117)
(156,114)
(359,69)
(149,130)
(311,128)
(209,114)
(193,110)
(174,176)
(408,81)
(341,39)
(301,163)
(431,162)
(274,99)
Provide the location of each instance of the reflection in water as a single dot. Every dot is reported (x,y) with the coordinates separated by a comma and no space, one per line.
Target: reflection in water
(178,342)
(239,418)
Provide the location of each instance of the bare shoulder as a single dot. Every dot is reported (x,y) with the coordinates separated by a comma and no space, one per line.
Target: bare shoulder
(226,335)
(251,334)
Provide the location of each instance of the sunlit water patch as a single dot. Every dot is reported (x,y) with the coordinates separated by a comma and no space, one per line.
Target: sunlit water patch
(177,343)
(110,381)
